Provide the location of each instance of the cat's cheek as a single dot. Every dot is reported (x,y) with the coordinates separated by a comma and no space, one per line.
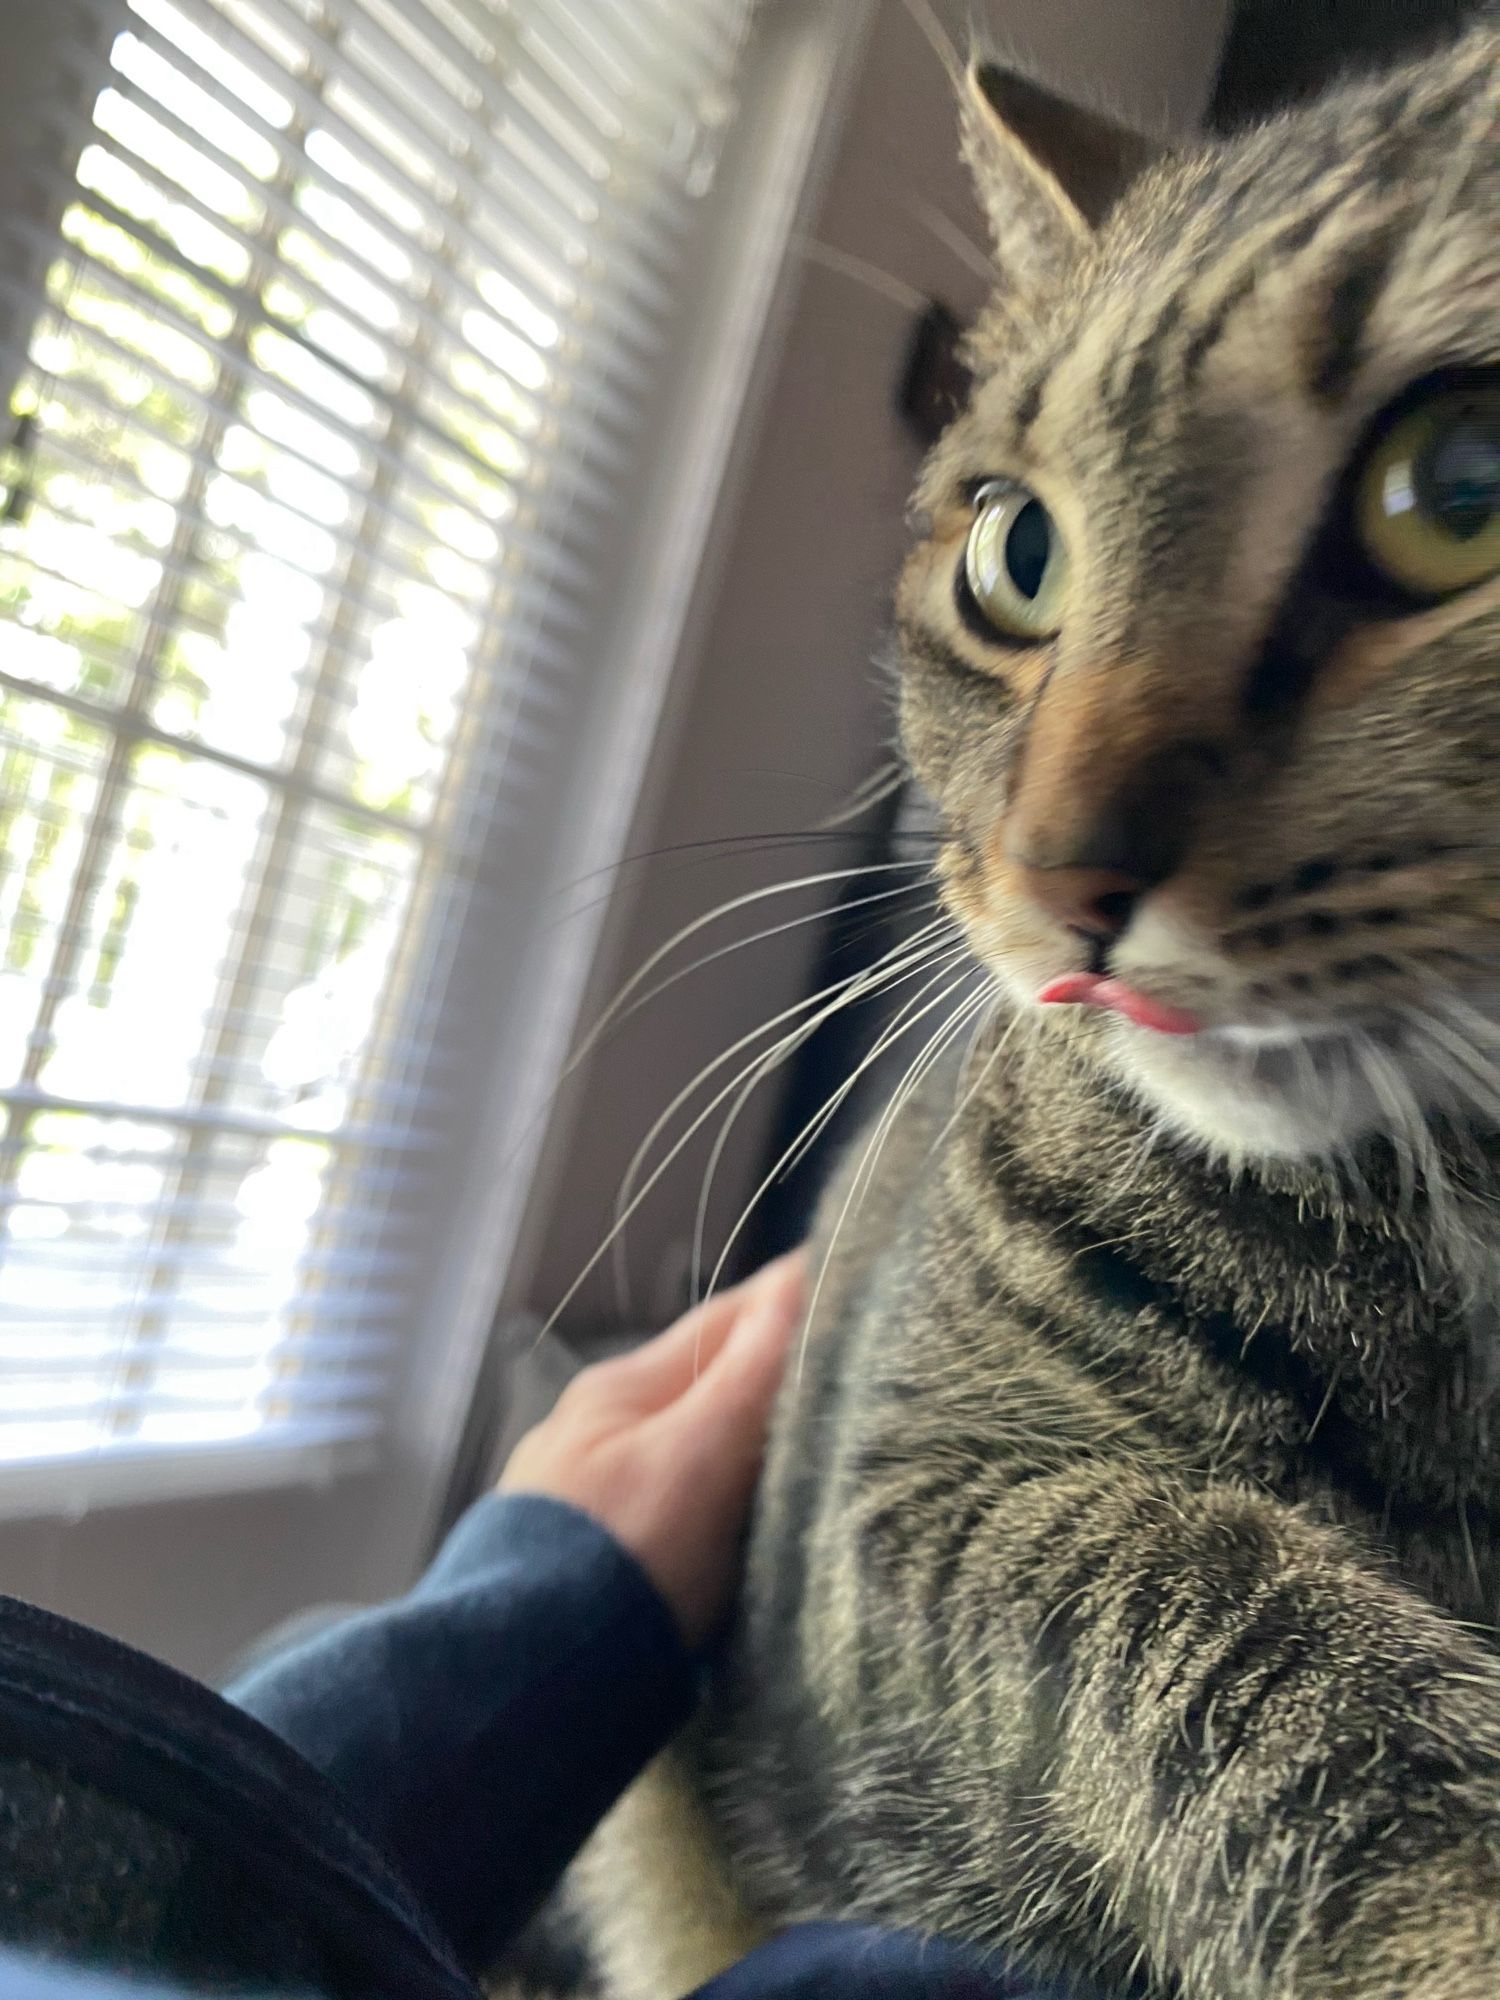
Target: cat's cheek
(925,583)
(959,734)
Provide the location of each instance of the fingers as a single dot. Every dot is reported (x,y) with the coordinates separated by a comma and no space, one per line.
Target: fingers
(663,1369)
(728,1407)
(662,1447)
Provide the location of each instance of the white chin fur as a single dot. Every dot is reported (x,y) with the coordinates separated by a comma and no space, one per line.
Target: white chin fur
(1275,1097)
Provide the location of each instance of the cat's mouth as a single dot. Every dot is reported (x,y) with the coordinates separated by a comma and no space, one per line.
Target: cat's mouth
(1117,996)
(1272,1056)
(1249,1079)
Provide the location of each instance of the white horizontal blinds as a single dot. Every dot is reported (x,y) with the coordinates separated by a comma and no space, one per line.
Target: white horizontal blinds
(331,319)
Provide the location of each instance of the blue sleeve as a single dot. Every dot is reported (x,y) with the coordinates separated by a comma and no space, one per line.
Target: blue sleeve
(484,1723)
(845,1961)
(813,1962)
(23,1977)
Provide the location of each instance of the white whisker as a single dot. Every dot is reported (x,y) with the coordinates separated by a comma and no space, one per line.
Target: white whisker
(989,1063)
(756,1075)
(1408,1131)
(948,233)
(939,40)
(870,1158)
(618,1017)
(902,1024)
(871,792)
(863,272)
(844,991)
(713,916)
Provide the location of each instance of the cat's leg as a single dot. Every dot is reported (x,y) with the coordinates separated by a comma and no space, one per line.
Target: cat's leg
(655,1895)
(1120,1707)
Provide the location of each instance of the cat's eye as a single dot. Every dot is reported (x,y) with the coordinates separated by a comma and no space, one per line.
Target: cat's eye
(1016,565)
(1427,503)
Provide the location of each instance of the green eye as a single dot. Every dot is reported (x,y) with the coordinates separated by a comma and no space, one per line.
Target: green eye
(1015,564)
(1427,505)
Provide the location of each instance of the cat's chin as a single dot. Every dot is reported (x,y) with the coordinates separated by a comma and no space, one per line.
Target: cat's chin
(1285,1094)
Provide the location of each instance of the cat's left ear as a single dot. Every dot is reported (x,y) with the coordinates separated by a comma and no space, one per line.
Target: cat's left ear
(1047,172)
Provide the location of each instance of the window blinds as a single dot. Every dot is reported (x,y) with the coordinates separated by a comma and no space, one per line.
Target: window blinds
(325,322)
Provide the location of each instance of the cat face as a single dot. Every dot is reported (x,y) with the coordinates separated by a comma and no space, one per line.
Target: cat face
(1202,642)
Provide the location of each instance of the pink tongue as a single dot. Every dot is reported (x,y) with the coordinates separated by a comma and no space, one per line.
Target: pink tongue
(1092,989)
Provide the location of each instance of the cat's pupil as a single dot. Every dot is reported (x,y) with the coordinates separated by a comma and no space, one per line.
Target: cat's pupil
(1458,478)
(1028,548)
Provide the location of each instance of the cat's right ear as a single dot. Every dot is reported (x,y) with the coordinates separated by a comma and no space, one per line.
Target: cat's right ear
(1047,171)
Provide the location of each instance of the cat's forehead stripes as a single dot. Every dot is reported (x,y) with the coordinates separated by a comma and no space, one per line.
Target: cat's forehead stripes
(1336,344)
(1134,376)
(1343,209)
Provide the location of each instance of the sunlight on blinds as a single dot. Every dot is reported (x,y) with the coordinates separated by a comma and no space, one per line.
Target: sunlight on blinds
(332,339)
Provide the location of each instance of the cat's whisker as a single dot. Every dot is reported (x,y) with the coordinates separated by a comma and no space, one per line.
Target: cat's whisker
(809,1134)
(817,1008)
(912,951)
(1479,1032)
(873,791)
(721,910)
(724,847)
(924,18)
(1407,1129)
(1306,1068)
(722,951)
(756,1076)
(985,1020)
(904,1092)
(947,231)
(871,1151)
(871,1155)
(1472,1080)
(846,265)
(902,1024)
(1465,1204)
(814,1132)
(712,846)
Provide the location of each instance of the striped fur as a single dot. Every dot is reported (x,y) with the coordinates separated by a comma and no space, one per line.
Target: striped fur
(1125,1579)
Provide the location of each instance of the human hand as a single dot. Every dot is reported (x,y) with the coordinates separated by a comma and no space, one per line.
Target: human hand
(662,1446)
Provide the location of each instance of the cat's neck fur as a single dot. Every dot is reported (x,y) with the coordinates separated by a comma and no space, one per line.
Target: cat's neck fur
(1339,1334)
(1363,1264)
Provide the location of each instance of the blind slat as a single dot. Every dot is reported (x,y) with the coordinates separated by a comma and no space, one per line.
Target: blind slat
(547,557)
(452,223)
(243,369)
(335,332)
(625,324)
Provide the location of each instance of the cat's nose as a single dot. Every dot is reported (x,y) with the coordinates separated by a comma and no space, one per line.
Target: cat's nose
(1092,877)
(1095,902)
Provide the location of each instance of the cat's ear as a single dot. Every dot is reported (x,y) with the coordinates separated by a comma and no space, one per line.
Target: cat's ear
(1047,171)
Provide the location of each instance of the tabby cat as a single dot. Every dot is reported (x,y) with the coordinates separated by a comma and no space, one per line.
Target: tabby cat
(1125,1579)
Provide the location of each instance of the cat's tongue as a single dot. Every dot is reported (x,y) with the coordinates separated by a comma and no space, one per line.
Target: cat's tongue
(1092,989)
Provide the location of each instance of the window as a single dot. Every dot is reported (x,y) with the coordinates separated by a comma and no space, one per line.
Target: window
(334,320)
